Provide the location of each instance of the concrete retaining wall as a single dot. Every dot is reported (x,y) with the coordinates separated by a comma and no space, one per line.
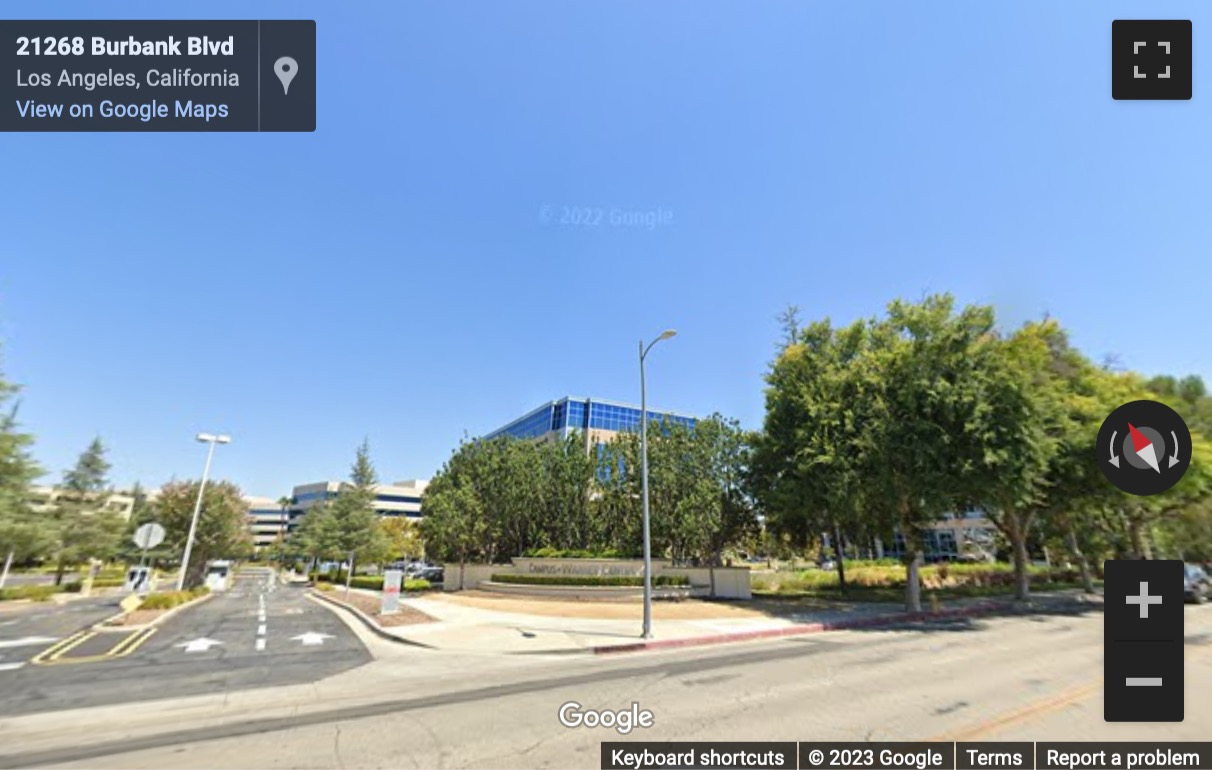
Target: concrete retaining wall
(592,592)
(473,575)
(730,582)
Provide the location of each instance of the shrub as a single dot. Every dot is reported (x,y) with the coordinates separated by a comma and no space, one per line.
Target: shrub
(170,599)
(589,580)
(106,582)
(367,582)
(325,587)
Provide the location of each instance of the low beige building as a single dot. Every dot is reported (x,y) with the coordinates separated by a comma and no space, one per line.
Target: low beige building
(44,498)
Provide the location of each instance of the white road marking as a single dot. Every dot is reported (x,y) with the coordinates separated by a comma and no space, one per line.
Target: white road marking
(311,638)
(261,630)
(261,644)
(261,618)
(10,666)
(201,644)
(26,641)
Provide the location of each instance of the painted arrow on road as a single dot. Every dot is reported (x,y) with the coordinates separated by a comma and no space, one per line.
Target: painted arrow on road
(201,644)
(311,638)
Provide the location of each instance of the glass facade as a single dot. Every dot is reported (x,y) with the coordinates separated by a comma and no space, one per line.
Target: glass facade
(937,545)
(568,414)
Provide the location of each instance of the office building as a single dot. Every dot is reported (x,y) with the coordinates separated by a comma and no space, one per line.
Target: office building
(267,520)
(44,498)
(597,420)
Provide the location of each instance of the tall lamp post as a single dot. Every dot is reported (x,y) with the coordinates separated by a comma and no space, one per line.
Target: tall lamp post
(647,632)
(211,439)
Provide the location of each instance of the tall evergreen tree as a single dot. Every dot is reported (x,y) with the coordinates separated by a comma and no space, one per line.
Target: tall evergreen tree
(83,527)
(20,536)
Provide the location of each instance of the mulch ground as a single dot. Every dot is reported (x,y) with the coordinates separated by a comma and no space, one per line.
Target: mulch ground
(405,616)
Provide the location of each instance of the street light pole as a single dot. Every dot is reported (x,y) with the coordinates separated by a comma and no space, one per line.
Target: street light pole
(647,630)
(193,524)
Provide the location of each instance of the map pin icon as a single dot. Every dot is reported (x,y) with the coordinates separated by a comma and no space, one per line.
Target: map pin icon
(286,68)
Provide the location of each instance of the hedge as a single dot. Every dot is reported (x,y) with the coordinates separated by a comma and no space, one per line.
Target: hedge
(589,580)
(370,582)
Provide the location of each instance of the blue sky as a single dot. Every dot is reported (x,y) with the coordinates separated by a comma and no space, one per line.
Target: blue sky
(393,276)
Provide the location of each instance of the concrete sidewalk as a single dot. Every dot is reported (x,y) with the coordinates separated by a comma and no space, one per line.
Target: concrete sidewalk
(475,629)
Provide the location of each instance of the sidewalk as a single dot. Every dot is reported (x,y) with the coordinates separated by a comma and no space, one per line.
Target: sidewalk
(469,623)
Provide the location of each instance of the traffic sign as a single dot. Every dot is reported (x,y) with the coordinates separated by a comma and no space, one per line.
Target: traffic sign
(149,535)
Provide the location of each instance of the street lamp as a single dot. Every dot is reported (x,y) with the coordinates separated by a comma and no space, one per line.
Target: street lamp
(211,439)
(647,632)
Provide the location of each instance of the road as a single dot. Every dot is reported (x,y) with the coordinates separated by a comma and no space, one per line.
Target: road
(257,635)
(1032,677)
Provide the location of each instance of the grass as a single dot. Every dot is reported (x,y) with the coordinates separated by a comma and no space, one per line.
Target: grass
(38,593)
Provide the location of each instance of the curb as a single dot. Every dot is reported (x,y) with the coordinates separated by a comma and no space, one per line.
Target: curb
(103,628)
(801,629)
(367,621)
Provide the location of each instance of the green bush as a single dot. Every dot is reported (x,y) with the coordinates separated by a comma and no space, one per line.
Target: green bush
(170,599)
(367,582)
(105,582)
(589,580)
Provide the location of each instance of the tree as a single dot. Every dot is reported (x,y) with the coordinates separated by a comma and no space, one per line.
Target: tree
(21,535)
(222,531)
(316,536)
(82,524)
(355,526)
(404,535)
(810,460)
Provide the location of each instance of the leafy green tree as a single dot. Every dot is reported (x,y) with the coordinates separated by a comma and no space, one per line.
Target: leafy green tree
(404,536)
(317,536)
(810,461)
(222,531)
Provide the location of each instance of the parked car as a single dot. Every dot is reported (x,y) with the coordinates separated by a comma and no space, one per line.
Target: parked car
(432,573)
(1197,587)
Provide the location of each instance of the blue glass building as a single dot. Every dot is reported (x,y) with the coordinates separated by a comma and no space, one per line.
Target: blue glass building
(595,419)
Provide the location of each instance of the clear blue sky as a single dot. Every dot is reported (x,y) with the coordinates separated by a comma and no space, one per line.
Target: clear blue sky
(391,275)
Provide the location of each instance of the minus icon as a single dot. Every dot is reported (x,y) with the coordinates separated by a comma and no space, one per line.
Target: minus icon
(1144,681)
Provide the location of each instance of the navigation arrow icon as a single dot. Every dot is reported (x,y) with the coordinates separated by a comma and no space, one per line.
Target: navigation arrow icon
(1174,457)
(201,644)
(311,638)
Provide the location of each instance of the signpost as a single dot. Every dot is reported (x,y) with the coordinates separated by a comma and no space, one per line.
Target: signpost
(147,536)
(390,599)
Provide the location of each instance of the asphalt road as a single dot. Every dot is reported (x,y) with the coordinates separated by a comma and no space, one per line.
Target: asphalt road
(259,634)
(1020,677)
(28,629)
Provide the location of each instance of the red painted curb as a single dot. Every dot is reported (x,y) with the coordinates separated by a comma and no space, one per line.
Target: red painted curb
(797,630)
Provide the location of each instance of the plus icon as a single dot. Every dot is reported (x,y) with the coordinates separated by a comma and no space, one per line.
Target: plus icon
(1144,600)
